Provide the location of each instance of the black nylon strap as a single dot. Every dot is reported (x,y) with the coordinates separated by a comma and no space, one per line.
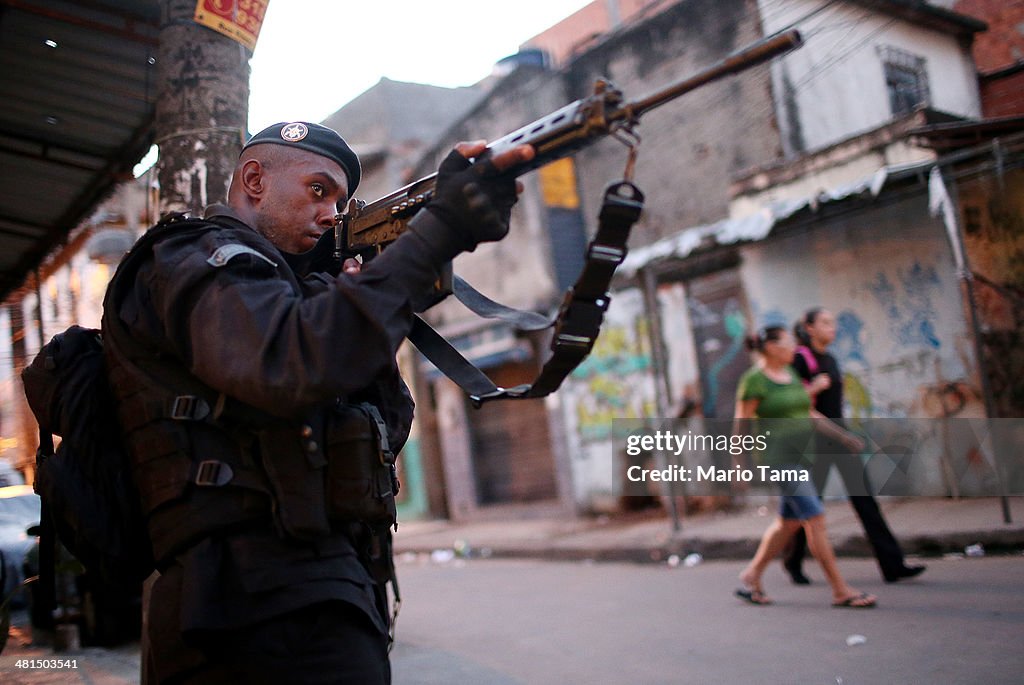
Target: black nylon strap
(579,318)
(481,305)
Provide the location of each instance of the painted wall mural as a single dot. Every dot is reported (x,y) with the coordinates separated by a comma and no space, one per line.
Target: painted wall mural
(614,382)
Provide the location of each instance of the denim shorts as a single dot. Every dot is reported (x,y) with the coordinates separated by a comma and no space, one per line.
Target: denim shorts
(799,500)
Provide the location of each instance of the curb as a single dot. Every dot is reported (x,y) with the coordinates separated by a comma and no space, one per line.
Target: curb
(855,546)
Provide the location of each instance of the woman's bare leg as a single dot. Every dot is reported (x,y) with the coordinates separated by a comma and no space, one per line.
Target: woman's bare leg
(821,548)
(772,542)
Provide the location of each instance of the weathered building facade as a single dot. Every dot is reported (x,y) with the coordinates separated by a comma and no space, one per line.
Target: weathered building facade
(784,188)
(690,149)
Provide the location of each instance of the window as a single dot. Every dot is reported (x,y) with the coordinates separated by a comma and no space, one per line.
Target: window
(906,80)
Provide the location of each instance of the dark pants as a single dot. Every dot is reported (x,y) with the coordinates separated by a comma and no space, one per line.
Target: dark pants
(332,642)
(329,642)
(887,549)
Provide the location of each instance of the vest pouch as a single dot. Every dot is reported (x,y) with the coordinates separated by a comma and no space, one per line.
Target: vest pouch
(361,477)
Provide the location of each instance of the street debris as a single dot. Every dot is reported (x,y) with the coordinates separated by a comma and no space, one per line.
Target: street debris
(442,556)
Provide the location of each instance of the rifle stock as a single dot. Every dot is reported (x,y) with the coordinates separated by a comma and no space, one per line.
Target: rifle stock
(367,228)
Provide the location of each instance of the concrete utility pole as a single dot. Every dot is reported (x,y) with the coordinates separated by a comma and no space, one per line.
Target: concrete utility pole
(201,110)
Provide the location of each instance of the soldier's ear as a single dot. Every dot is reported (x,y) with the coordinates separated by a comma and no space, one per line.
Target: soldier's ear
(253,177)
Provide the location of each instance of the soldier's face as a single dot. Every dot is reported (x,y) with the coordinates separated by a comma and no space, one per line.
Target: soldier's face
(302,195)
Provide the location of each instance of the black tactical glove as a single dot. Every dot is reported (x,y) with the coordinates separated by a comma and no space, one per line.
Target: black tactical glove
(472,201)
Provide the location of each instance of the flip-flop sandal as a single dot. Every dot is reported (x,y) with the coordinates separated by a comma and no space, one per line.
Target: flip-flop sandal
(753,596)
(861,601)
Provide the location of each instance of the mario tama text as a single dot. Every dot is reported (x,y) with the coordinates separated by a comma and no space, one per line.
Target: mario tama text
(714,474)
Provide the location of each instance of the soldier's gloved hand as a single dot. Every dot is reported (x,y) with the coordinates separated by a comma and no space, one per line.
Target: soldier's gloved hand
(472,201)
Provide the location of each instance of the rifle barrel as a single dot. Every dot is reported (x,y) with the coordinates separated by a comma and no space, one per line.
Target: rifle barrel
(759,52)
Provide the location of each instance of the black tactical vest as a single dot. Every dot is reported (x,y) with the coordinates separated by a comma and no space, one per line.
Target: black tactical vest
(206,464)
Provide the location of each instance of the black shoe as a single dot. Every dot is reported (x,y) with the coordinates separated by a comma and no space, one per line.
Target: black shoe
(796,575)
(904,573)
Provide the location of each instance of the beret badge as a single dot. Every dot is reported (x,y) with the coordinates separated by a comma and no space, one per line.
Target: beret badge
(294,132)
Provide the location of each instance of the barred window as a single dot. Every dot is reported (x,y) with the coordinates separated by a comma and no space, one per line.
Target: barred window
(906,80)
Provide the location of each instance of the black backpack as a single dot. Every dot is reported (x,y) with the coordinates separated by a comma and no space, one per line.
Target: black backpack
(85,485)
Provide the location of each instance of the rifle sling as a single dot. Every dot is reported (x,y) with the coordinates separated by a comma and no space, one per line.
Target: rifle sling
(575,327)
(483,306)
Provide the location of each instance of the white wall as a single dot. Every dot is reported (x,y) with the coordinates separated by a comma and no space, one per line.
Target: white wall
(837,79)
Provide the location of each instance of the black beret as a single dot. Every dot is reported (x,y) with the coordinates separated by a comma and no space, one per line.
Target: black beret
(315,138)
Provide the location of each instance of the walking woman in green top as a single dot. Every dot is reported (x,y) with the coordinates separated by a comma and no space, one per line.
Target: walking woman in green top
(772,390)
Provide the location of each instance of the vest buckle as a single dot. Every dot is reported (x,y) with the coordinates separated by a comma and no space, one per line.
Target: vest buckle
(213,473)
(189,408)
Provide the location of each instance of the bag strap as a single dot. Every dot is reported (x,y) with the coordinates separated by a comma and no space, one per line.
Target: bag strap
(576,325)
(808,355)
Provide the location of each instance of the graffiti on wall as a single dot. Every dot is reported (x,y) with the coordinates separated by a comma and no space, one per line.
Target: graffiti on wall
(735,330)
(612,381)
(848,346)
(908,304)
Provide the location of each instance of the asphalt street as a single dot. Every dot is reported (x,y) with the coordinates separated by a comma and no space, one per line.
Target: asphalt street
(516,621)
(500,622)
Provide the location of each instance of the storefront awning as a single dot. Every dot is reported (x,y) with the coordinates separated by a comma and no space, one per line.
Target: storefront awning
(77,79)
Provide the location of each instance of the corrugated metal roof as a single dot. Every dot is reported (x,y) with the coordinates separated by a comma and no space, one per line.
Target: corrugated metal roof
(77,86)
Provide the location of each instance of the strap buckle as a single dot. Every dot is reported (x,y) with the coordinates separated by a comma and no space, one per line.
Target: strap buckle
(189,408)
(213,473)
(607,253)
(514,393)
(579,322)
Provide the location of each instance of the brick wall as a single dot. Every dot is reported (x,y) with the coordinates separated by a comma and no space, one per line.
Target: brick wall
(1003,96)
(1003,43)
(581,28)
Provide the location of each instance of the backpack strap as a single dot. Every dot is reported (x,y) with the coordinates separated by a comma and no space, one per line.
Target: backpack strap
(809,358)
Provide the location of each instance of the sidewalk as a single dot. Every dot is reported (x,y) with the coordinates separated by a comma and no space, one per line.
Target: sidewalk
(923,525)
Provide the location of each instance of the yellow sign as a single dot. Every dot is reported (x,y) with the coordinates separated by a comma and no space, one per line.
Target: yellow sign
(239,20)
(558,184)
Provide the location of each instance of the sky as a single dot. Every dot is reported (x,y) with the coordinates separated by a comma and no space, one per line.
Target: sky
(313,56)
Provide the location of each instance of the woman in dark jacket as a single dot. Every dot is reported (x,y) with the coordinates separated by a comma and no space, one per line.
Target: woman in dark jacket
(824,382)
